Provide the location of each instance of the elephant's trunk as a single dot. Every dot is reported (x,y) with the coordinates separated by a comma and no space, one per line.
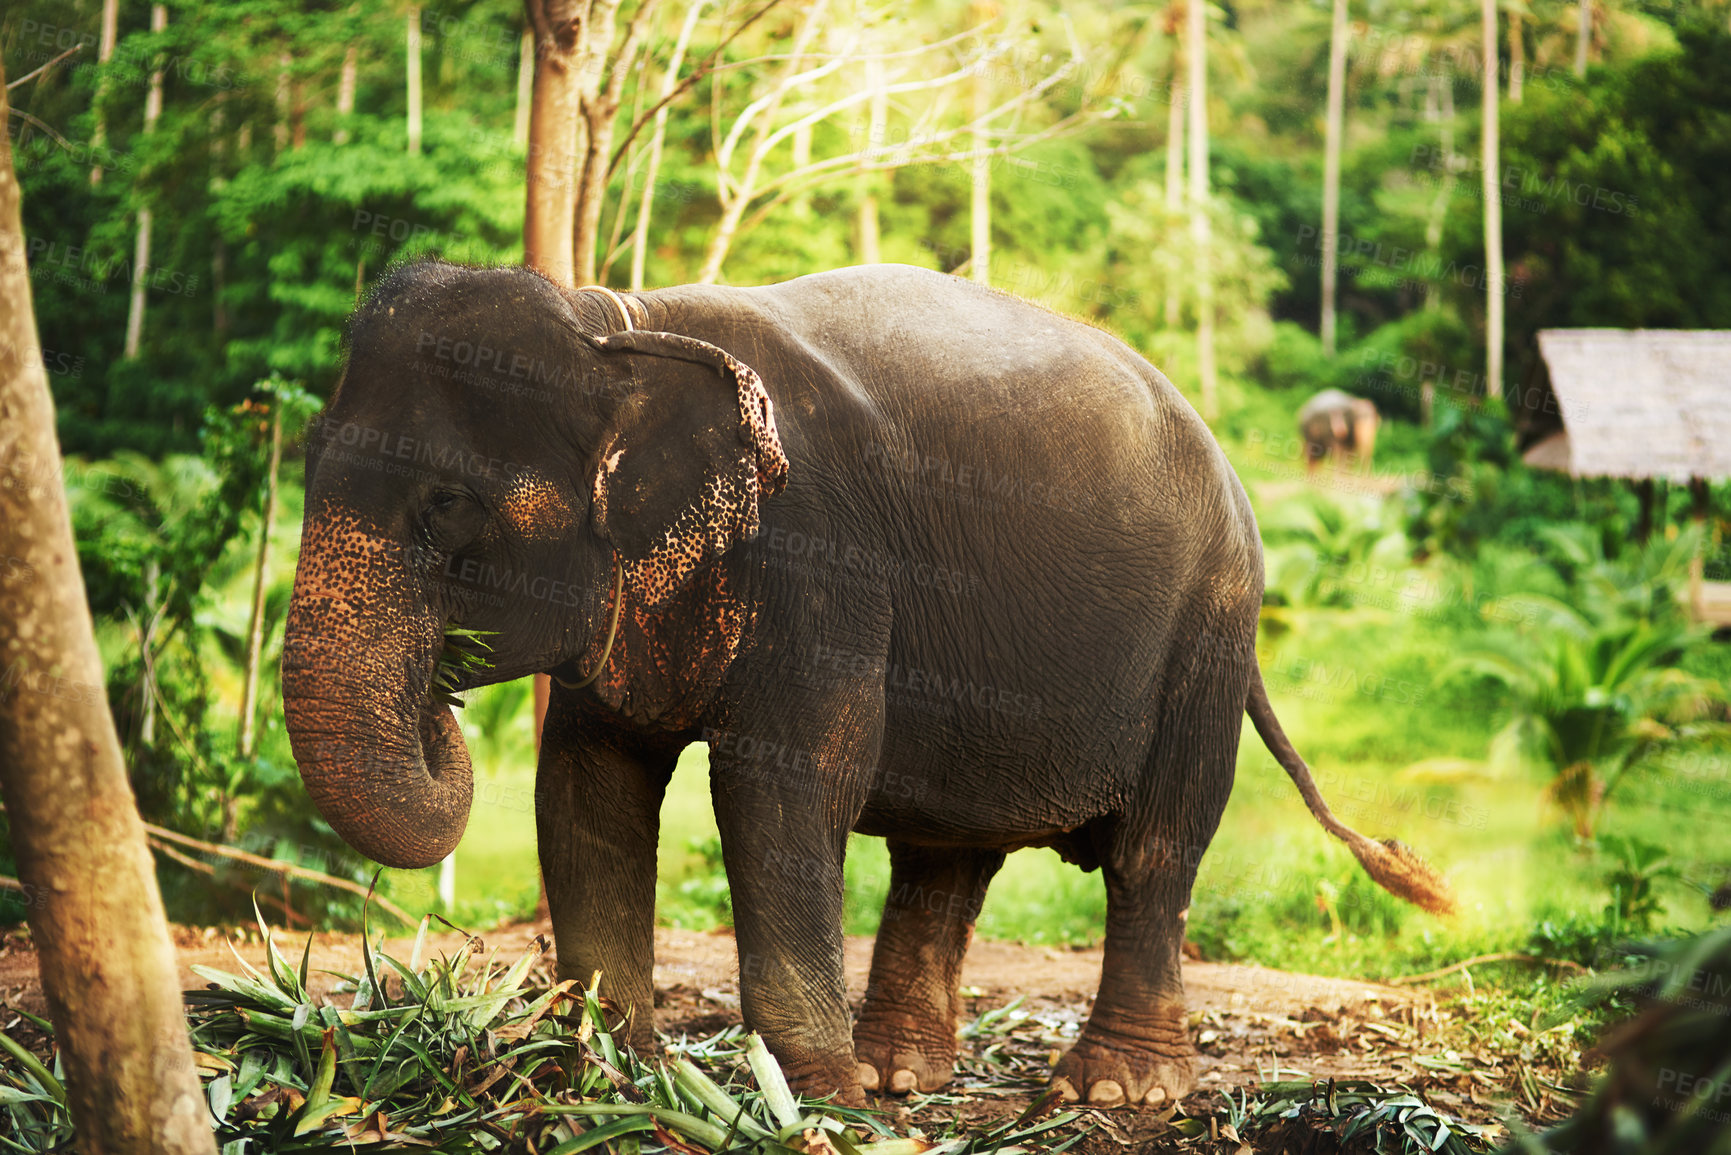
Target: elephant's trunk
(384,764)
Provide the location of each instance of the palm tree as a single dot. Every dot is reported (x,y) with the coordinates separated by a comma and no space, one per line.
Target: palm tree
(1590,701)
(1595,684)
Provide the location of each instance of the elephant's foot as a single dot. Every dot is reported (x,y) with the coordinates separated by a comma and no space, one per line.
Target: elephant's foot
(818,1078)
(1109,1068)
(900,1052)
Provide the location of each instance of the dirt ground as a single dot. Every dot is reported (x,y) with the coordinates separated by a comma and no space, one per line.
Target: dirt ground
(1251,1024)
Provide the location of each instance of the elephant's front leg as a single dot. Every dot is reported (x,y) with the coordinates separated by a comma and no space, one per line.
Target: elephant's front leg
(786,797)
(598,816)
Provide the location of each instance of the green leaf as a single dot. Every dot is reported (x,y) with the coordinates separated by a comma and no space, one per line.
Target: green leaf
(319,1104)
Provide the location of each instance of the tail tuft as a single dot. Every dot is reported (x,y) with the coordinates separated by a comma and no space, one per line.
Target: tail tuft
(1395,868)
(1392,865)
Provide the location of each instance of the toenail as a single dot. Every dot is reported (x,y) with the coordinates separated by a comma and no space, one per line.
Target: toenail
(868,1076)
(902,1082)
(1066,1089)
(1106,1093)
(1155,1097)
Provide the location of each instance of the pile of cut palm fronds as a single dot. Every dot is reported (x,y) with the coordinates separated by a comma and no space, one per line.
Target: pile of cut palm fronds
(462,1054)
(1349,1115)
(1668,1087)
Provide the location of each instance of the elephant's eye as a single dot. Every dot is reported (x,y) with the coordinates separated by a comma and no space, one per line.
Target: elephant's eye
(451,519)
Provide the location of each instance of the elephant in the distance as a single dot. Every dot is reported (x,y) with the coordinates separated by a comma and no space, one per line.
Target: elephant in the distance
(1340,427)
(917,559)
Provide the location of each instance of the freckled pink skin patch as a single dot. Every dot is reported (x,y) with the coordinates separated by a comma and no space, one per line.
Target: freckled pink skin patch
(536,508)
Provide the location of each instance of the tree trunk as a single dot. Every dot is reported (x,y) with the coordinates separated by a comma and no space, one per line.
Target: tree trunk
(550,216)
(1196,18)
(141,244)
(412,38)
(346,94)
(255,623)
(108,967)
(281,127)
(980,207)
(104,53)
(1440,107)
(1517,56)
(1331,173)
(1583,35)
(1492,188)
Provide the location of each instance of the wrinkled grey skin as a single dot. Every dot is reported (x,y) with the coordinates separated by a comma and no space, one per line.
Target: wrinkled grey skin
(1007,599)
(1340,427)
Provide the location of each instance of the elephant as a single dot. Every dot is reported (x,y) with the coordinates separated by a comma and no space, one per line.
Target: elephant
(915,558)
(1335,424)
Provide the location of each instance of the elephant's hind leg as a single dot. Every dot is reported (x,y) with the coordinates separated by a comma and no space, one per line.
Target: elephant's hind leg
(905,1039)
(1136,1045)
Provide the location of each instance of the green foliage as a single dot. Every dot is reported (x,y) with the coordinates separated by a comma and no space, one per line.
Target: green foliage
(1635,866)
(701,899)
(1319,549)
(1590,697)
(1669,1067)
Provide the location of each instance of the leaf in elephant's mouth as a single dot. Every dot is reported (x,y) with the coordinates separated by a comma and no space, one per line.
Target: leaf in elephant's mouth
(463,655)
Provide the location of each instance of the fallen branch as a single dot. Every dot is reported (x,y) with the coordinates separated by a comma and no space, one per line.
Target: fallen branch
(1500,956)
(206,868)
(285,868)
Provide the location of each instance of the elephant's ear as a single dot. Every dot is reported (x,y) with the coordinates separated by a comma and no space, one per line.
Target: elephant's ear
(680,480)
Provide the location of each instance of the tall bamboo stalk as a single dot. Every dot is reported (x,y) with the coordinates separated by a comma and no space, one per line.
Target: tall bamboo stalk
(104,53)
(1331,173)
(261,566)
(1517,56)
(346,93)
(412,37)
(141,243)
(1492,189)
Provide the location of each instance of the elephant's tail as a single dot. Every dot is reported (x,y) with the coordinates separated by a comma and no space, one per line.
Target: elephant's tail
(1394,867)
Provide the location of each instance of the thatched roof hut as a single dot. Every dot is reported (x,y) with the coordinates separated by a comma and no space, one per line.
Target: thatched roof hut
(1639,403)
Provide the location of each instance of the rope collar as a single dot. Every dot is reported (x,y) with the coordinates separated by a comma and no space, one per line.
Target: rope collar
(618,600)
(618,303)
(612,629)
